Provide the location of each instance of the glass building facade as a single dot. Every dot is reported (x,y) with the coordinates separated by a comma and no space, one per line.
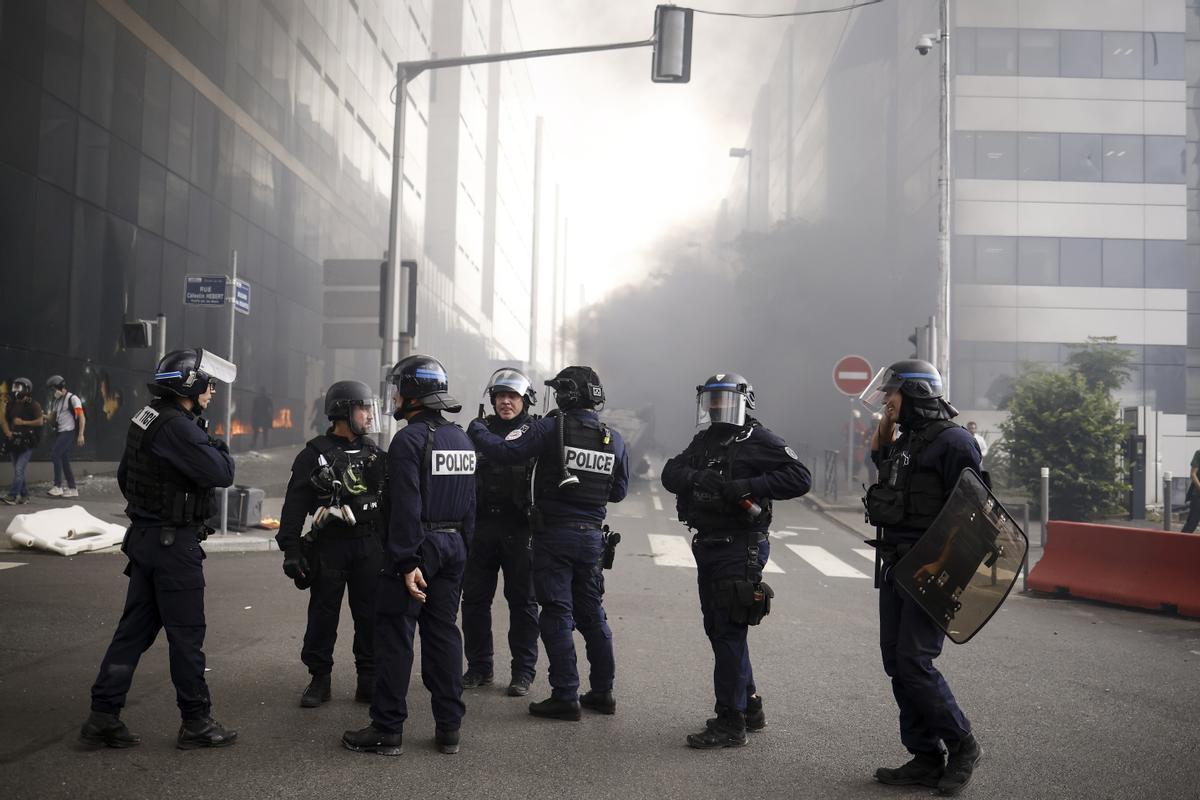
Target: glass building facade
(146,140)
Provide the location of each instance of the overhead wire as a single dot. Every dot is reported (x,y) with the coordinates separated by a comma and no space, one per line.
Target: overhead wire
(780,14)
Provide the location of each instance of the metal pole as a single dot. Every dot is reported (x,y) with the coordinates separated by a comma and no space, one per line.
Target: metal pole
(230,298)
(391,322)
(850,451)
(943,332)
(1168,500)
(1045,502)
(160,330)
(749,183)
(1025,566)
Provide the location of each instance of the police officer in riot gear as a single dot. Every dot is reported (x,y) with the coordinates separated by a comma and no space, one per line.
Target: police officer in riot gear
(917,472)
(724,482)
(167,474)
(581,466)
(430,518)
(339,477)
(502,543)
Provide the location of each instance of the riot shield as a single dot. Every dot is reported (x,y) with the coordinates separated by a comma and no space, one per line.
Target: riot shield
(967,562)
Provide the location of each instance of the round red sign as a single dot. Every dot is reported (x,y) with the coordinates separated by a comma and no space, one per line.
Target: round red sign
(851,375)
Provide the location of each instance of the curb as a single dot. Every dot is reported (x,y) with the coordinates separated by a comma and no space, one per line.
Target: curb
(827,513)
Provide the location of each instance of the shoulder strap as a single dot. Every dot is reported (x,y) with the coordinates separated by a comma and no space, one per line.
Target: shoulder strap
(324,447)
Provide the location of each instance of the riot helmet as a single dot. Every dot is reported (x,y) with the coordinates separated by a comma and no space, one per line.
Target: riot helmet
(22,388)
(577,387)
(423,378)
(507,379)
(56,382)
(344,397)
(723,400)
(919,382)
(189,373)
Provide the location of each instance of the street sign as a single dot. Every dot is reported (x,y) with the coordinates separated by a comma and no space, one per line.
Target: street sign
(241,296)
(204,290)
(851,375)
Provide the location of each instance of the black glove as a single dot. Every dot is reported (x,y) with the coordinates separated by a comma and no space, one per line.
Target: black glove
(220,444)
(733,491)
(709,481)
(295,566)
(476,427)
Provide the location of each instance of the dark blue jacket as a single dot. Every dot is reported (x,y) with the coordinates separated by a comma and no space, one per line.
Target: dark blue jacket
(541,441)
(191,451)
(442,491)
(950,452)
(767,466)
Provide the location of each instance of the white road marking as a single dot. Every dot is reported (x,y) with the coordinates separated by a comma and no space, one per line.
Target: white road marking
(866,552)
(783,534)
(1195,652)
(676,551)
(671,551)
(800,528)
(11,564)
(826,562)
(657,502)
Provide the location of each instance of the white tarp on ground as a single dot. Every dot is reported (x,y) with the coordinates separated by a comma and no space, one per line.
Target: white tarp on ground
(66,531)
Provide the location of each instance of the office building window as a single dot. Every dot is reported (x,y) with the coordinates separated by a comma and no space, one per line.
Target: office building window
(996,51)
(1080,157)
(1037,261)
(1123,263)
(1038,54)
(1069,53)
(1037,155)
(1123,158)
(1079,54)
(1122,54)
(1080,262)
(996,155)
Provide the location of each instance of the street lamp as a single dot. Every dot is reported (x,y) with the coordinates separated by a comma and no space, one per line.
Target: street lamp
(924,45)
(744,152)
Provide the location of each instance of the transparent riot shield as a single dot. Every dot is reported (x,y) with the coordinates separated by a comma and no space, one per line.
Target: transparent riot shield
(967,562)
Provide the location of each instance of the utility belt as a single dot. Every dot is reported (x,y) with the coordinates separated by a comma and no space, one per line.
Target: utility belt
(456,526)
(538,523)
(747,600)
(334,531)
(167,533)
(500,511)
(887,555)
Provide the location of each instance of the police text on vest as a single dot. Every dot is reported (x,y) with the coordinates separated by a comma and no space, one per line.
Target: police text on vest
(453,462)
(590,460)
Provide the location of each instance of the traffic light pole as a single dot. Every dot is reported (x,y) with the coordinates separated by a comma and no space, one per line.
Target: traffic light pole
(394,348)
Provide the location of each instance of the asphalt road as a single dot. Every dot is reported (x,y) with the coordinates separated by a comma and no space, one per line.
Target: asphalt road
(1068,699)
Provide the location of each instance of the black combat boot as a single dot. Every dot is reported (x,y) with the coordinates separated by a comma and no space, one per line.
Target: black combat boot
(316,692)
(107,730)
(373,740)
(602,702)
(447,741)
(924,769)
(960,767)
(365,692)
(756,720)
(519,686)
(203,732)
(729,730)
(473,679)
(553,708)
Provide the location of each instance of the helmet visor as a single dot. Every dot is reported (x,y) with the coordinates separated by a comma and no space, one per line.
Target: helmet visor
(884,383)
(216,367)
(721,406)
(364,416)
(508,380)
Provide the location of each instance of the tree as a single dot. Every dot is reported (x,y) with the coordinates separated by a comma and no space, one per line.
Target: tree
(1103,364)
(1062,421)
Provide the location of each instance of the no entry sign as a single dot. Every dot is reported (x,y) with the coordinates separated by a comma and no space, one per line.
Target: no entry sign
(851,375)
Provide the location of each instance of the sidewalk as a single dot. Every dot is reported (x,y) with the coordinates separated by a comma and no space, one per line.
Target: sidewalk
(100,496)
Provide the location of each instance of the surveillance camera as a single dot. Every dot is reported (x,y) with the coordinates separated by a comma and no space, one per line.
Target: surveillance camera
(924,45)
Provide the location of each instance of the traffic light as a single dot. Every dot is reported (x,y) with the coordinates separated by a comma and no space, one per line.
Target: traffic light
(672,60)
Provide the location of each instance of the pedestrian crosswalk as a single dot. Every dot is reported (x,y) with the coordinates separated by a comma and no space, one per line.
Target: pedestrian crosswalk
(674,550)
(11,564)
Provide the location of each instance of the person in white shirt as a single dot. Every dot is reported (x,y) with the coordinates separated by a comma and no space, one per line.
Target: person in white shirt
(983,445)
(67,420)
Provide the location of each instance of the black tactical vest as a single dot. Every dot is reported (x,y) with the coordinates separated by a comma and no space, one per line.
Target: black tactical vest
(153,484)
(704,511)
(907,496)
(502,489)
(590,457)
(365,469)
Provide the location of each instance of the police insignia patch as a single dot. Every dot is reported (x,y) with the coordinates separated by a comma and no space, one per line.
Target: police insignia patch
(791,453)
(516,433)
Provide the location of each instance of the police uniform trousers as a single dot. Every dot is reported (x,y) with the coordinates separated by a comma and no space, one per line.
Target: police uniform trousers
(398,616)
(349,559)
(910,641)
(166,591)
(569,585)
(500,544)
(724,557)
